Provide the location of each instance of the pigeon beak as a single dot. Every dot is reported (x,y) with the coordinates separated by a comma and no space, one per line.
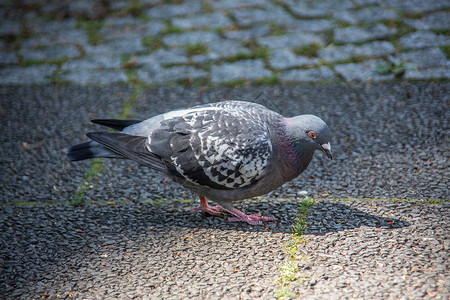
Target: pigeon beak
(326,148)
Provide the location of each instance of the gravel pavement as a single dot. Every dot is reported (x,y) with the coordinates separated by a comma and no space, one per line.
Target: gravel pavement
(376,71)
(134,237)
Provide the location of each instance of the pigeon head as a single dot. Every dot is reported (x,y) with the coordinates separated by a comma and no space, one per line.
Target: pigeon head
(309,133)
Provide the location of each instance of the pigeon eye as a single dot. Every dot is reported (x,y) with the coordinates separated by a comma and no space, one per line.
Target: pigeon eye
(312,135)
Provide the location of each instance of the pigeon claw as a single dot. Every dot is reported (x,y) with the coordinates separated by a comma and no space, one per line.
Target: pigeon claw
(212,210)
(255,219)
(239,216)
(217,210)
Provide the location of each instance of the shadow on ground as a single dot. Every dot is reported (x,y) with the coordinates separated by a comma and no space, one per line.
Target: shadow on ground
(329,217)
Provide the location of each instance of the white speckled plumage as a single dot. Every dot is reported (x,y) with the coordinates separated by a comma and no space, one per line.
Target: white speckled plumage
(225,151)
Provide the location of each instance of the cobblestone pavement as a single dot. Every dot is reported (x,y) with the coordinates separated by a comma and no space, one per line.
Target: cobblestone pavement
(155,41)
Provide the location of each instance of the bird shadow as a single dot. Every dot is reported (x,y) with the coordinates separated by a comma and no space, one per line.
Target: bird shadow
(328,217)
(324,217)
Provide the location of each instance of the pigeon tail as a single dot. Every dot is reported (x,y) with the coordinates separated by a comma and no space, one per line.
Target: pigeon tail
(115,123)
(88,150)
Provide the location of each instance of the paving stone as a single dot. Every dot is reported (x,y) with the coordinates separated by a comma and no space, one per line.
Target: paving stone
(9,27)
(26,76)
(362,34)
(324,8)
(422,59)
(248,34)
(118,5)
(161,56)
(49,54)
(52,8)
(277,15)
(363,71)
(423,39)
(418,6)
(123,46)
(285,58)
(70,36)
(317,25)
(120,30)
(39,26)
(151,2)
(171,74)
(151,28)
(437,20)
(3,12)
(211,20)
(369,15)
(167,11)
(236,4)
(291,40)
(4,46)
(431,73)
(311,75)
(362,3)
(125,29)
(225,48)
(99,61)
(205,58)
(8,57)
(118,34)
(189,38)
(244,69)
(89,77)
(87,9)
(126,21)
(338,53)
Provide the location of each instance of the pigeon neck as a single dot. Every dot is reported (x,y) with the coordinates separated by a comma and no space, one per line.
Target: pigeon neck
(294,156)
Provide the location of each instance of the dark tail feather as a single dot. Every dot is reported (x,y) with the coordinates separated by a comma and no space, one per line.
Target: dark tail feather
(128,146)
(115,124)
(89,149)
(92,149)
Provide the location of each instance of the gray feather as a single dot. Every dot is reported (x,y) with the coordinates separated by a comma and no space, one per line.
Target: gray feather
(129,146)
(88,150)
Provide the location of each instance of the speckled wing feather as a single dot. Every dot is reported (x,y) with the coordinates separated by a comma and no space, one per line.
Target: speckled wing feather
(215,147)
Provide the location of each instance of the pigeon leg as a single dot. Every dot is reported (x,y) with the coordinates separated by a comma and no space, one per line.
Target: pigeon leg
(212,210)
(239,216)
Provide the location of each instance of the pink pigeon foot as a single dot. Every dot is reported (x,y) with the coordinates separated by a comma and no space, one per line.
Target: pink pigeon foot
(255,219)
(212,210)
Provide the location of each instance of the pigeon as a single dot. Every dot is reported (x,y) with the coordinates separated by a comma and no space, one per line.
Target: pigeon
(225,151)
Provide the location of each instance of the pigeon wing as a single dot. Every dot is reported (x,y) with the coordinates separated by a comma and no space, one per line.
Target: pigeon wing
(221,149)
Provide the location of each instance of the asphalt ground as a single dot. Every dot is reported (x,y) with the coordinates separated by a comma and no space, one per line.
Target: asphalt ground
(379,228)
